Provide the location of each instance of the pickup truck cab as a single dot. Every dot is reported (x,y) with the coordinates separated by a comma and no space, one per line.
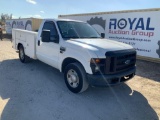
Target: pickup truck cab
(77,50)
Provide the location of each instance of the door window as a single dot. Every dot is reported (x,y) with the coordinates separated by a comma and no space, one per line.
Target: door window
(53,31)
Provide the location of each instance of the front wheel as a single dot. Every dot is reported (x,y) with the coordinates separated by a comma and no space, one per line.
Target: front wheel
(75,78)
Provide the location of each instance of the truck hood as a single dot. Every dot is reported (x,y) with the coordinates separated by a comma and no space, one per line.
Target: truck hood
(100,46)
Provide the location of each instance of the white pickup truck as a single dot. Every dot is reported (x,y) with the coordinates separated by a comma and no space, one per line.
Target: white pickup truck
(77,50)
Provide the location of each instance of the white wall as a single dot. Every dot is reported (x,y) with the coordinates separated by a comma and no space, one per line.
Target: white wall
(19,23)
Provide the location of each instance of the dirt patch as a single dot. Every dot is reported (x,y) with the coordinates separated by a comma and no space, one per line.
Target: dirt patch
(36,91)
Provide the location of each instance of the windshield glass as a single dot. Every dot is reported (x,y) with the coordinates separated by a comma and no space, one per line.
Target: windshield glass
(71,29)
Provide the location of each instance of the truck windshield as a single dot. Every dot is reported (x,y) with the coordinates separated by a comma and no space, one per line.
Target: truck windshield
(72,29)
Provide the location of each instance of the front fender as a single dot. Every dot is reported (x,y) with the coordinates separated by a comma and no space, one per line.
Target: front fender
(83,56)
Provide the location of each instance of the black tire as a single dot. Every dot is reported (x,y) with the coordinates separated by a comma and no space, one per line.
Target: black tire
(82,84)
(23,58)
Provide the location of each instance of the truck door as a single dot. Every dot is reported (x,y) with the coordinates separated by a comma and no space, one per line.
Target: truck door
(48,52)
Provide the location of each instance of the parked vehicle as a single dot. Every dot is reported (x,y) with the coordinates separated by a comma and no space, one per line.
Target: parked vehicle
(76,49)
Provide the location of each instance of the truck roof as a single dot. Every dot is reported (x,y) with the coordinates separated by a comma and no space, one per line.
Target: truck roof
(63,20)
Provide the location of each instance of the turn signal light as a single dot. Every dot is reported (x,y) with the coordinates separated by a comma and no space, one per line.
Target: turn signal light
(95,60)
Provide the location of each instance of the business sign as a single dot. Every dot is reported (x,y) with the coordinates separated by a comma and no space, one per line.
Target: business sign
(139,29)
(25,24)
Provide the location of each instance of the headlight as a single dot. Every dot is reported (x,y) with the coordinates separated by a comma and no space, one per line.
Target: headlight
(97,65)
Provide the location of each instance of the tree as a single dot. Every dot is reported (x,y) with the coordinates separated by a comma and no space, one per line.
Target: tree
(10,16)
(4,17)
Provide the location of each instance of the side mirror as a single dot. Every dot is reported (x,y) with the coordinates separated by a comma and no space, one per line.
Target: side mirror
(46,36)
(103,35)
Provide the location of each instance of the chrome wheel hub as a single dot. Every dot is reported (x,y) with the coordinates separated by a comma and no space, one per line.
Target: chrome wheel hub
(72,78)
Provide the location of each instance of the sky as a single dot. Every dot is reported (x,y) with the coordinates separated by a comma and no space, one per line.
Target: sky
(53,8)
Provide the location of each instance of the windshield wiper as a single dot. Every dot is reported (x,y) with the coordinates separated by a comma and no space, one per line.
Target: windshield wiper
(74,37)
(94,37)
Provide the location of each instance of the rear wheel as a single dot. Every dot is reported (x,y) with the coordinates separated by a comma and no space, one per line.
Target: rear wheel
(75,78)
(23,58)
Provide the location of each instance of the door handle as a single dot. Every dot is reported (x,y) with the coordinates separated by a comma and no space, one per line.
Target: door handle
(38,42)
(62,49)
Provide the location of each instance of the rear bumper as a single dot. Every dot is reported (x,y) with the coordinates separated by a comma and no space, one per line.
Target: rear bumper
(111,79)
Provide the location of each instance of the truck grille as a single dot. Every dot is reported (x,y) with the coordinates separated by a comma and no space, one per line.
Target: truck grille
(118,61)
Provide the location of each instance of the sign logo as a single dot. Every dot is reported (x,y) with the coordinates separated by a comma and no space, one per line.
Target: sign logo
(122,23)
(98,21)
(127,62)
(133,24)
